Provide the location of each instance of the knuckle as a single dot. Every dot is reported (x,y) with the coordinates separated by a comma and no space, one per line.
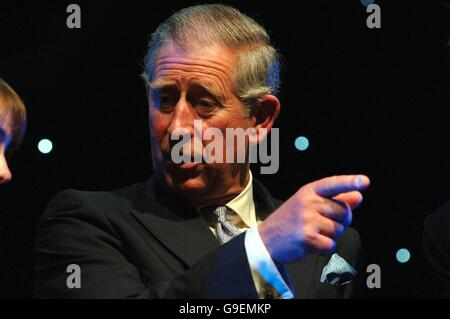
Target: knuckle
(330,247)
(304,191)
(307,201)
(310,236)
(339,229)
(308,216)
(304,205)
(349,218)
(305,217)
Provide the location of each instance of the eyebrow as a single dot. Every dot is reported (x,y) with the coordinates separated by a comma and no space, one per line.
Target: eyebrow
(161,84)
(209,90)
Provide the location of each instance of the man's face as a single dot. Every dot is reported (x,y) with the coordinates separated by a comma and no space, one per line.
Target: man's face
(5,139)
(195,85)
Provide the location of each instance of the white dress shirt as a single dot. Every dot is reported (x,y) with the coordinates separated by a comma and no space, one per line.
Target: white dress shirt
(269,282)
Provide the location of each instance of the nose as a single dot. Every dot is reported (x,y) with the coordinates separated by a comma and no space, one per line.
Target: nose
(5,173)
(183,117)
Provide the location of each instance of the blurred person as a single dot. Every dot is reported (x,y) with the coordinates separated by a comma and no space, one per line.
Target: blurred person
(12,127)
(436,242)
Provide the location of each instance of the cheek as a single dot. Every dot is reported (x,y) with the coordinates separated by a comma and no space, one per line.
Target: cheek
(230,117)
(158,124)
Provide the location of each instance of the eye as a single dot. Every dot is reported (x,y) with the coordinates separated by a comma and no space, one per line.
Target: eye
(165,101)
(206,106)
(206,103)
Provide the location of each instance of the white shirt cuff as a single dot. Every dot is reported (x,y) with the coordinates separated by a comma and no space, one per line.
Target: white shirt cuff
(261,262)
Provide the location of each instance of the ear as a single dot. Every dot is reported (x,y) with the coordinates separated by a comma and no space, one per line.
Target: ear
(264,117)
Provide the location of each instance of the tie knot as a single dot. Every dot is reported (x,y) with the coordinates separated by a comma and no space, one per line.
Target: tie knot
(220,213)
(224,229)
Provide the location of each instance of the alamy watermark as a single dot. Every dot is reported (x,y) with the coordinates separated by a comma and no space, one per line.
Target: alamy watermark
(373,21)
(234,147)
(374,279)
(73,20)
(74,279)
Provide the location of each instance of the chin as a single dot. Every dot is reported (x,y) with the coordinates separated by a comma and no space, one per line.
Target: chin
(191,185)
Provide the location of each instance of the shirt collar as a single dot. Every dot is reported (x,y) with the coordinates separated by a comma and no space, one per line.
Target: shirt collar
(243,205)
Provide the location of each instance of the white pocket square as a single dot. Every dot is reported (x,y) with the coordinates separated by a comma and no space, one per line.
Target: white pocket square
(338,271)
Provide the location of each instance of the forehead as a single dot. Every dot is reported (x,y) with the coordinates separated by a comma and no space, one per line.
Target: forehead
(214,61)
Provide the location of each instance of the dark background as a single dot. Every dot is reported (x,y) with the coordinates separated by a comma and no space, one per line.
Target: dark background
(372,101)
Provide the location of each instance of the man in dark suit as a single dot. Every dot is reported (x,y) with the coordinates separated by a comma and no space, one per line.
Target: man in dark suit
(203,229)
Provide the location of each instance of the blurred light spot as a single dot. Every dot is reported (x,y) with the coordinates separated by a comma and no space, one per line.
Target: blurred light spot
(366,2)
(301,143)
(403,255)
(45,146)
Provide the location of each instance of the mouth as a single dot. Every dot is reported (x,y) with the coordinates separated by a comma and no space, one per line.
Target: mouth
(192,164)
(187,166)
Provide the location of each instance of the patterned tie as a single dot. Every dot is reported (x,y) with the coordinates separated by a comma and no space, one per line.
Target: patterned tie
(224,229)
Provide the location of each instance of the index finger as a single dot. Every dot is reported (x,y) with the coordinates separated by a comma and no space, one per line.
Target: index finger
(335,185)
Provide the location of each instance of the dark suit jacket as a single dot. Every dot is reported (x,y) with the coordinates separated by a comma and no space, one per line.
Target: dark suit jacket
(436,241)
(142,242)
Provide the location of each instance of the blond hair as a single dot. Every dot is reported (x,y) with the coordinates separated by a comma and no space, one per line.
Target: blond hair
(257,70)
(13,107)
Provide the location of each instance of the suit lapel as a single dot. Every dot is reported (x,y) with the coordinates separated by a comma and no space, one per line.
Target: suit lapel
(176,225)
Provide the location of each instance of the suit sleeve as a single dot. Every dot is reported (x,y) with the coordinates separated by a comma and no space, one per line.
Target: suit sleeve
(75,231)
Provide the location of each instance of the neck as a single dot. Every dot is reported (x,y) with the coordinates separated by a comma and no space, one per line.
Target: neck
(223,196)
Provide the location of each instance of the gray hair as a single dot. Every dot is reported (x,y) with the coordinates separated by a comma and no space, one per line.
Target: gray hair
(257,69)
